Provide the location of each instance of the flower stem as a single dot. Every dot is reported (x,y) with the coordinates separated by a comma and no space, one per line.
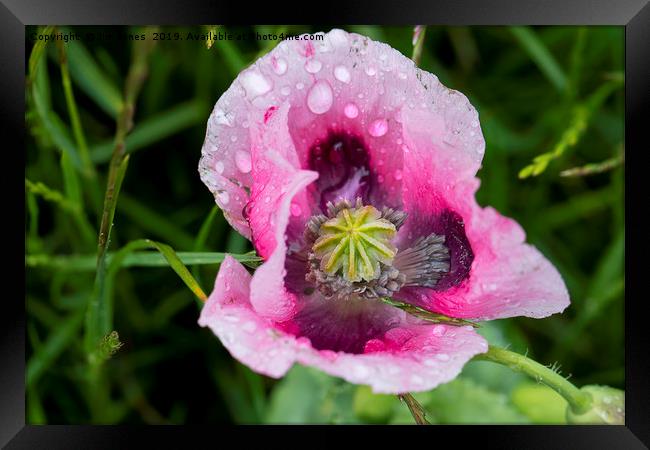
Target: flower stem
(579,401)
(417,411)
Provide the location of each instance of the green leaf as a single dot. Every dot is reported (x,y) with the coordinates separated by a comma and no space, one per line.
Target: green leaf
(307,395)
(540,403)
(373,408)
(465,401)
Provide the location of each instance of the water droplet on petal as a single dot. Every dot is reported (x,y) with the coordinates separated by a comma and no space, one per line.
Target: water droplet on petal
(255,83)
(224,197)
(279,65)
(219,166)
(299,86)
(378,127)
(320,97)
(285,90)
(398,174)
(351,111)
(442,356)
(342,74)
(243,161)
(223,118)
(370,71)
(295,209)
(313,66)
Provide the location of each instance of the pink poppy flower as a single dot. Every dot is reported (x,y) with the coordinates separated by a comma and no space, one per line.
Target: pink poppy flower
(353,173)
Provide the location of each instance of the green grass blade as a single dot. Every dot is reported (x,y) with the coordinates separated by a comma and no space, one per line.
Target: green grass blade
(91,79)
(541,56)
(154,129)
(83,263)
(55,344)
(155,223)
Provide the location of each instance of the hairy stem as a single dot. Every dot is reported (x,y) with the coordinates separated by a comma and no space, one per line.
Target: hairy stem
(579,401)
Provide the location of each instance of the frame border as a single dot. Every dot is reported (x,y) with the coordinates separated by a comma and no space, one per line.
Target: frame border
(633,14)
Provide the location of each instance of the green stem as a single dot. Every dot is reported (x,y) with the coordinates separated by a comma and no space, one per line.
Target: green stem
(418,43)
(579,401)
(417,411)
(134,80)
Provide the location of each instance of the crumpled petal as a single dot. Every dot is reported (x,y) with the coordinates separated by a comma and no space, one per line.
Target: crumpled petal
(409,358)
(343,83)
(277,196)
(507,276)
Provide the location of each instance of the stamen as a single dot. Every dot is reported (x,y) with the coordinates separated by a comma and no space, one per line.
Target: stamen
(425,262)
(352,254)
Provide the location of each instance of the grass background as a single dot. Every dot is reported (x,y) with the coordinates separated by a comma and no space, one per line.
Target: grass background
(550,91)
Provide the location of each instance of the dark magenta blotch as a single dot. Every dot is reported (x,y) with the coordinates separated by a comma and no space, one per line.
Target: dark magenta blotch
(342,161)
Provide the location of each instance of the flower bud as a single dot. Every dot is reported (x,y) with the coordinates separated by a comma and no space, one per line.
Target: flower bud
(608,407)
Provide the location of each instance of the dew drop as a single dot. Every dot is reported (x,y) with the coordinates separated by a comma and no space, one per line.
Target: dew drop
(279,66)
(295,209)
(223,197)
(285,90)
(378,127)
(255,83)
(320,97)
(219,166)
(299,86)
(243,161)
(342,74)
(351,111)
(223,118)
(442,356)
(398,174)
(313,66)
(370,71)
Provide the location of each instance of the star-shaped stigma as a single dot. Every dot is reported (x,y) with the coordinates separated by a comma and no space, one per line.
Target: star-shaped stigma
(354,243)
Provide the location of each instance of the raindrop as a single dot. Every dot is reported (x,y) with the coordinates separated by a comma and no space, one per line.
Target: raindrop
(378,127)
(255,83)
(295,209)
(342,74)
(219,166)
(313,66)
(279,66)
(370,71)
(351,111)
(320,97)
(398,174)
(223,197)
(243,161)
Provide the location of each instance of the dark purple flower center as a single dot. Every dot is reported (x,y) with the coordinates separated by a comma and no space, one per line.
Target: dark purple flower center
(437,255)
(343,165)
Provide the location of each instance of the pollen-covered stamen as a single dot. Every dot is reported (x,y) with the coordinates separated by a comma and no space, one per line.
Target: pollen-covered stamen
(354,242)
(425,262)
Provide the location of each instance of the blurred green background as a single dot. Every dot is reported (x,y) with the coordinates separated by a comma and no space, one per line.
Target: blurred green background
(550,91)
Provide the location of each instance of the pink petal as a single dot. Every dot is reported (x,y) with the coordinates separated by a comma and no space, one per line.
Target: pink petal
(278,191)
(345,83)
(507,277)
(409,358)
